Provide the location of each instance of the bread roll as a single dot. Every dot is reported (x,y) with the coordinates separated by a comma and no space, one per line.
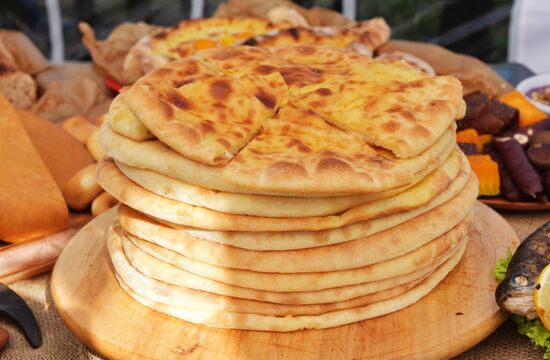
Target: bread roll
(94,147)
(31,204)
(102,203)
(82,189)
(79,128)
(18,87)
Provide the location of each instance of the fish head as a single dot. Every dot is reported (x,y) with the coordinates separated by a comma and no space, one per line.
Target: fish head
(515,295)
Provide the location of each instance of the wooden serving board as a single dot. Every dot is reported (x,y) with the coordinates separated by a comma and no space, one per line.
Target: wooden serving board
(458,314)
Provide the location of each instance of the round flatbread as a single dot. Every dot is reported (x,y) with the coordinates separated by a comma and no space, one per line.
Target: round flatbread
(113,181)
(327,320)
(268,122)
(196,299)
(363,37)
(311,281)
(451,205)
(285,206)
(380,246)
(155,156)
(190,36)
(152,267)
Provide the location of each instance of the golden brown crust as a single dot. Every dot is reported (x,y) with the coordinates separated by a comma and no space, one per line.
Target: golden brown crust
(129,193)
(363,37)
(282,120)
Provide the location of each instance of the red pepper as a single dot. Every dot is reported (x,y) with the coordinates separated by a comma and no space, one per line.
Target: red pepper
(112,84)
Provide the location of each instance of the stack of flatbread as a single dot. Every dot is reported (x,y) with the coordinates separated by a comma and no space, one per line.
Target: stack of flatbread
(284,189)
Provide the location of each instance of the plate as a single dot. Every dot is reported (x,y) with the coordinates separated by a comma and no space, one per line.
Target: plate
(503,204)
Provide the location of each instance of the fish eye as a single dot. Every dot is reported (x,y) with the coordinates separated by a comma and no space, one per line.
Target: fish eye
(521,280)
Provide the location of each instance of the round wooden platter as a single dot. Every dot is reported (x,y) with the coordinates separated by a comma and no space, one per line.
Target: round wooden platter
(503,204)
(458,314)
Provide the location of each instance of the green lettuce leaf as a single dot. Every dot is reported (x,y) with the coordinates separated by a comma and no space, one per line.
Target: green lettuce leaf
(533,329)
(502,265)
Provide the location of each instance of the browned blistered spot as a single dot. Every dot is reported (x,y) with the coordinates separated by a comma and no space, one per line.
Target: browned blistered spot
(294,33)
(225,53)
(163,72)
(166,109)
(250,42)
(220,89)
(333,165)
(222,116)
(407,115)
(247,58)
(318,103)
(417,83)
(191,136)
(294,75)
(224,142)
(421,131)
(265,69)
(267,99)
(394,109)
(299,145)
(207,127)
(247,121)
(285,129)
(180,83)
(179,100)
(161,35)
(328,153)
(183,52)
(191,68)
(307,49)
(400,86)
(324,91)
(391,126)
(286,168)
(237,134)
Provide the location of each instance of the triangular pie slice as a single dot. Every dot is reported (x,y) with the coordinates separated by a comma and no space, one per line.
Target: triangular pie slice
(207,121)
(298,148)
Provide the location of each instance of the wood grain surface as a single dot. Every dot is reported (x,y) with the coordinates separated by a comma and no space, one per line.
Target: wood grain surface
(458,314)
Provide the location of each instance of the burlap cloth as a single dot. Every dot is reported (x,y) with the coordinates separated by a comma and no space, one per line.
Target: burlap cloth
(60,343)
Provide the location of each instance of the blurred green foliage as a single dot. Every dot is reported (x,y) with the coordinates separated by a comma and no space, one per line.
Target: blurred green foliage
(419,20)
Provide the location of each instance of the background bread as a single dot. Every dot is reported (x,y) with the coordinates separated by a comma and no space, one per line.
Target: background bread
(18,87)
(79,128)
(31,203)
(102,203)
(21,53)
(63,155)
(82,188)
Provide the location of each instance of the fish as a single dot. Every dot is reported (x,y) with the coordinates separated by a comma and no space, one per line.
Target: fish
(515,294)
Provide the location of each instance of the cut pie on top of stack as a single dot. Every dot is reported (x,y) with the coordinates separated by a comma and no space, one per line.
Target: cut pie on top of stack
(304,181)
